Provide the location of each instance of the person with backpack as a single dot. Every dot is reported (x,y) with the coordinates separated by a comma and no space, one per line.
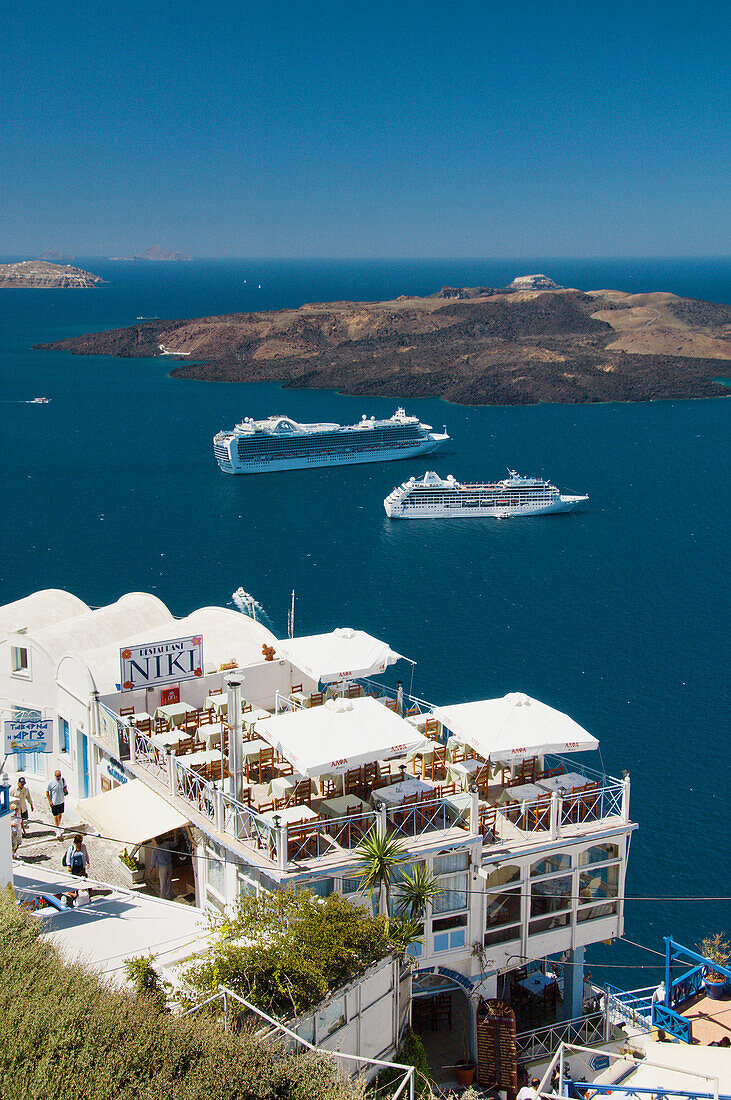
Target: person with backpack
(76,857)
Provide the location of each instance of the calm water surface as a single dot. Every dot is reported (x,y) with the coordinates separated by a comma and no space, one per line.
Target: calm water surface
(616,614)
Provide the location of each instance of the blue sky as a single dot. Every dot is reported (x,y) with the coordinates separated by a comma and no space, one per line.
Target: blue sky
(350,129)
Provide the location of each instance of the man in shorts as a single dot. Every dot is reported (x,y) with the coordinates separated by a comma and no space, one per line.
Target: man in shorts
(56,791)
(22,794)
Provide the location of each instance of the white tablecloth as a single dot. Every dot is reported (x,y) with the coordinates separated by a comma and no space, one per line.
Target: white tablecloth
(251,750)
(281,785)
(397,792)
(567,781)
(175,712)
(526,792)
(217,703)
(537,983)
(289,814)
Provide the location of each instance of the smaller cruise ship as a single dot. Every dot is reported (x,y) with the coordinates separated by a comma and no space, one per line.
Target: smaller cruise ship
(433,497)
(279,443)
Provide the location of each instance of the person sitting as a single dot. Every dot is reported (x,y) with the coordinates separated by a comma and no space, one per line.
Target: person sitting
(530,1092)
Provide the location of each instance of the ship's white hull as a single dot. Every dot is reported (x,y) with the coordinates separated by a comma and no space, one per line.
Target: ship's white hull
(457,510)
(310,462)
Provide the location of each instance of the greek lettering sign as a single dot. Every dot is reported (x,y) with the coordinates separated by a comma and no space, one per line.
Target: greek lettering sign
(161,662)
(28,735)
(115,770)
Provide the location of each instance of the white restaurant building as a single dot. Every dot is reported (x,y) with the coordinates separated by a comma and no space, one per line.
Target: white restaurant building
(529,845)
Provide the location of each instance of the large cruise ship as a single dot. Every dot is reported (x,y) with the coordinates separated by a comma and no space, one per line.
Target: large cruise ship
(431,497)
(279,443)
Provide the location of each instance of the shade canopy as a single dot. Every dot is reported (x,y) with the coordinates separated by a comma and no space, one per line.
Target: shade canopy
(342,734)
(514,726)
(130,813)
(340,655)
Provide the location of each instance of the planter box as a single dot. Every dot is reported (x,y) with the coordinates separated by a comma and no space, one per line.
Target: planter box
(716,991)
(133,878)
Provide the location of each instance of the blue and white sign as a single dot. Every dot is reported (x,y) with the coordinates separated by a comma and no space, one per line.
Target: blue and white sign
(161,662)
(28,735)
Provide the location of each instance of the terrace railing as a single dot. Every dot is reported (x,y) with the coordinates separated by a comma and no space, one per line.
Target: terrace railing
(244,823)
(196,790)
(632,1007)
(542,1041)
(150,756)
(426,816)
(687,986)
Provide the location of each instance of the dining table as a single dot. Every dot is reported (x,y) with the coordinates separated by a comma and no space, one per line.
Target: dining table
(200,758)
(282,785)
(537,983)
(461,770)
(251,749)
(567,782)
(175,712)
(525,792)
(218,704)
(289,814)
(138,719)
(166,739)
(394,794)
(339,807)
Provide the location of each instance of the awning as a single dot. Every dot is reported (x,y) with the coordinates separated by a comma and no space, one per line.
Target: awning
(342,734)
(340,655)
(514,726)
(131,813)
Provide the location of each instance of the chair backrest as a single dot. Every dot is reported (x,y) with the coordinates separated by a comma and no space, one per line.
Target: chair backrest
(126,710)
(431,727)
(216,691)
(353,691)
(263,807)
(185,745)
(392,704)
(296,687)
(411,711)
(145,725)
(317,699)
(266,756)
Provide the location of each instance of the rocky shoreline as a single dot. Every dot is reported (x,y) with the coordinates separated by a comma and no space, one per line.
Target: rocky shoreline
(468,345)
(42,275)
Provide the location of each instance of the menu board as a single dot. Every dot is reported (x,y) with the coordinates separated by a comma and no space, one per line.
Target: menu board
(496,1050)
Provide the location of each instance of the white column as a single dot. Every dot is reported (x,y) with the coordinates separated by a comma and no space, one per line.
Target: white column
(171,772)
(625,799)
(474,809)
(6,846)
(555,816)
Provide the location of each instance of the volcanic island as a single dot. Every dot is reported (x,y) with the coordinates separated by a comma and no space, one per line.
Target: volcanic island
(518,345)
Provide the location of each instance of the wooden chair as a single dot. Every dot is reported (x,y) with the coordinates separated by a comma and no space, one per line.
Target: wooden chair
(246,708)
(295,687)
(186,745)
(353,691)
(392,704)
(330,785)
(145,725)
(300,795)
(265,807)
(317,699)
(216,691)
(443,1010)
(422,1009)
(436,768)
(353,781)
(488,822)
(205,718)
(125,711)
(265,763)
(431,728)
(411,711)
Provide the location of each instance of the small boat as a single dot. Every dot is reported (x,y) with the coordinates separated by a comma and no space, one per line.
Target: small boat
(40,401)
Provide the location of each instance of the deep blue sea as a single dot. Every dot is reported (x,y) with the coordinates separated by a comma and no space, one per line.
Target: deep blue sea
(617,614)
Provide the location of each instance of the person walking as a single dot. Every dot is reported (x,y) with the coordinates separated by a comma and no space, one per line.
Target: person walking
(16,826)
(76,857)
(22,794)
(162,858)
(56,792)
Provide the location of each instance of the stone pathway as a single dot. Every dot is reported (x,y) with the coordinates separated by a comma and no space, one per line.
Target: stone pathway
(42,848)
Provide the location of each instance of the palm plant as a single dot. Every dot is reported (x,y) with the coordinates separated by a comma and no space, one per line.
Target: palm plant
(415,892)
(380,855)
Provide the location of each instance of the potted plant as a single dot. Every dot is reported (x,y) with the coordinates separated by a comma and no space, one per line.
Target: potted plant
(132,868)
(716,950)
(465,1068)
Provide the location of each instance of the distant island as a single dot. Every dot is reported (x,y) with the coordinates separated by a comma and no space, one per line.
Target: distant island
(155,253)
(55,257)
(479,345)
(40,274)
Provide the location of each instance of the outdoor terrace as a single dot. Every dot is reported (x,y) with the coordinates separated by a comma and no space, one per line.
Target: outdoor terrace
(431,790)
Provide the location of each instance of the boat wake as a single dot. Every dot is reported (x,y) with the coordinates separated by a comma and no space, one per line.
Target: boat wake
(249,605)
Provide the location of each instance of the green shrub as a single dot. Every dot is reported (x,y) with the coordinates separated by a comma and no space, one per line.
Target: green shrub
(410,1053)
(286,950)
(65,1033)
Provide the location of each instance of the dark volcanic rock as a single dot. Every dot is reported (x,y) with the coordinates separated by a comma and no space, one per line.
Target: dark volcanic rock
(483,347)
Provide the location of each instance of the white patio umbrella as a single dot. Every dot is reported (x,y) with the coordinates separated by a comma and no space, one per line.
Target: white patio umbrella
(343,654)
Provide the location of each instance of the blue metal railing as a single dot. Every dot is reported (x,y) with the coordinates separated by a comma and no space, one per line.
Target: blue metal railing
(668,1020)
(687,986)
(586,1090)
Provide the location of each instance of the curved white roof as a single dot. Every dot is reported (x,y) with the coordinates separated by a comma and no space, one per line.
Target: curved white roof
(131,614)
(45,608)
(226,635)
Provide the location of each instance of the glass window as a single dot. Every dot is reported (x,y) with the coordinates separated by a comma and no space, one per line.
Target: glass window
(502,875)
(64,735)
(600,883)
(454,895)
(558,920)
(455,861)
(503,908)
(595,912)
(18,659)
(350,885)
(502,935)
(216,870)
(449,933)
(550,895)
(330,1018)
(550,864)
(599,854)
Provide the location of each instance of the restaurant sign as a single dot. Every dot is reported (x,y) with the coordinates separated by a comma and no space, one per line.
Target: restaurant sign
(161,662)
(28,735)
